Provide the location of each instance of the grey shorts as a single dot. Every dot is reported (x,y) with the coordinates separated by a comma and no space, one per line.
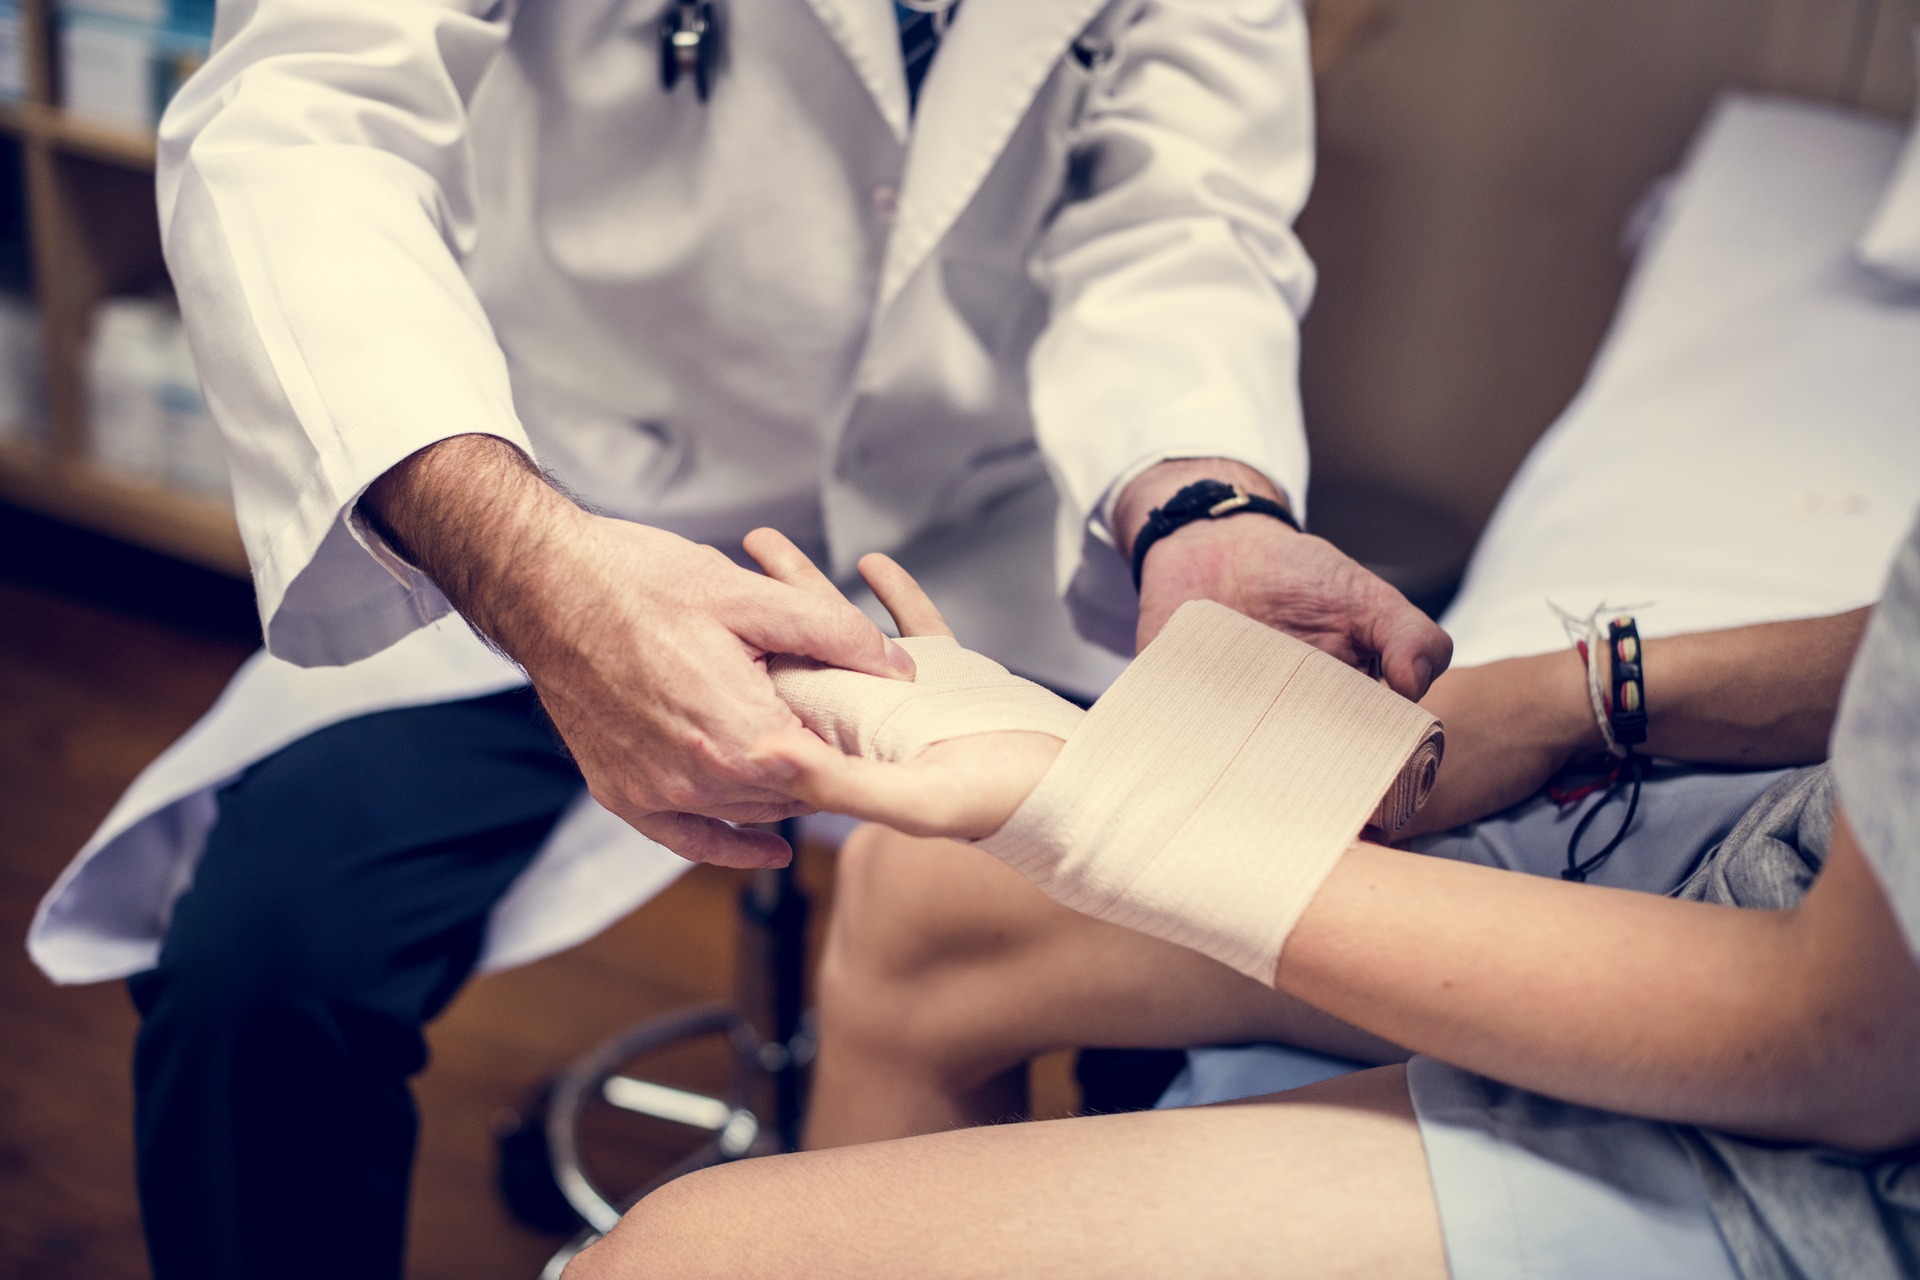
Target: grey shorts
(1529,1188)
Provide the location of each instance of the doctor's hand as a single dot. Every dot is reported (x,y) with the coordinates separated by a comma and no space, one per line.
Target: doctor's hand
(962,788)
(646,649)
(1291,581)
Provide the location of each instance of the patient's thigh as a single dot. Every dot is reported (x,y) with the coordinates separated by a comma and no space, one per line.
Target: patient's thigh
(984,959)
(1328,1181)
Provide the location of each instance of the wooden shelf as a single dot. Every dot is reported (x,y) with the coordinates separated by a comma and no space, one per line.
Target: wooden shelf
(93,230)
(200,530)
(73,135)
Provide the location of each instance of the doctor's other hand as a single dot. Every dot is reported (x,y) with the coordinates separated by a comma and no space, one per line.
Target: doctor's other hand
(1291,581)
(644,647)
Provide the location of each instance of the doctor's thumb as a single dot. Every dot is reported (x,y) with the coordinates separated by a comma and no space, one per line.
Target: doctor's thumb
(830,631)
(1413,652)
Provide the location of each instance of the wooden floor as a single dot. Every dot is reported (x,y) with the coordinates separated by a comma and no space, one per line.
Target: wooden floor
(88,695)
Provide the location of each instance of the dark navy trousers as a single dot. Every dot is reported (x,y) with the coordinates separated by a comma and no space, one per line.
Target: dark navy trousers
(342,901)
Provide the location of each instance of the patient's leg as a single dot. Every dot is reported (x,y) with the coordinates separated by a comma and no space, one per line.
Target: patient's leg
(945,972)
(1324,1182)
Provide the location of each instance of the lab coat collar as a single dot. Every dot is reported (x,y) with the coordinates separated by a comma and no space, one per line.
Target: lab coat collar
(869,33)
(990,66)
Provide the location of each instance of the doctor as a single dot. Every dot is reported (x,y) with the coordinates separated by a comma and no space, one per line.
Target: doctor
(989,307)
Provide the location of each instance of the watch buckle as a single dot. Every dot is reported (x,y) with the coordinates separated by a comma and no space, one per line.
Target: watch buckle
(1239,499)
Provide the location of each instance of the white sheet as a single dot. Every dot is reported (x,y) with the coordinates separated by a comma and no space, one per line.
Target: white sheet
(1747,444)
(1891,244)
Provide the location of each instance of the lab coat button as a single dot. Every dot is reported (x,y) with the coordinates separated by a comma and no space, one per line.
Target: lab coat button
(886,202)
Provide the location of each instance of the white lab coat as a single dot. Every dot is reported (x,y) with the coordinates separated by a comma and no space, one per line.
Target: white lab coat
(392,221)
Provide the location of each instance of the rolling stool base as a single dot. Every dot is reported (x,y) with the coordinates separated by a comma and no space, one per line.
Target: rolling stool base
(772,1046)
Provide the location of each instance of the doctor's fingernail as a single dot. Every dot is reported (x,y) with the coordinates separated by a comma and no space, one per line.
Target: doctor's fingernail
(1423,671)
(900,660)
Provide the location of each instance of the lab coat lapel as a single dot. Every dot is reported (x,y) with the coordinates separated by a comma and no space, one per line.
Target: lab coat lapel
(869,33)
(986,74)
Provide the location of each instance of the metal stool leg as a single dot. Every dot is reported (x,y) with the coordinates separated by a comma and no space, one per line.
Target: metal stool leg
(771,994)
(772,1046)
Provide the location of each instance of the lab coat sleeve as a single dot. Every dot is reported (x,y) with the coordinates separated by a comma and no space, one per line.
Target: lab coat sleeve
(1175,280)
(316,194)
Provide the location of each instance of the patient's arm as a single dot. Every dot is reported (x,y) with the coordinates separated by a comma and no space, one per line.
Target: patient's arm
(1754,697)
(1800,1024)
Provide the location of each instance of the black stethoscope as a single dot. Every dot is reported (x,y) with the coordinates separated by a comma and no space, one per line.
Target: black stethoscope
(690,40)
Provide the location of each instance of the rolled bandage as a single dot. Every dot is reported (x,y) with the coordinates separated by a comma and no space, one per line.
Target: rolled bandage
(1208,794)
(955,692)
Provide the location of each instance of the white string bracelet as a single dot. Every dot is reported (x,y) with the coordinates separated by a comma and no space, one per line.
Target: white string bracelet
(1585,635)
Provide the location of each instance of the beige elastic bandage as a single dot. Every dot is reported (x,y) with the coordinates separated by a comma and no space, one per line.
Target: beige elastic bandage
(955,692)
(1208,794)
(1210,791)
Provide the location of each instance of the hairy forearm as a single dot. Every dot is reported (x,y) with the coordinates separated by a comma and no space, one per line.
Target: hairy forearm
(1799,1025)
(1755,696)
(477,517)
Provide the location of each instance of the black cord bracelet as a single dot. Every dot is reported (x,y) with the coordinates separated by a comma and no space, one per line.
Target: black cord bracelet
(1202,500)
(1627,719)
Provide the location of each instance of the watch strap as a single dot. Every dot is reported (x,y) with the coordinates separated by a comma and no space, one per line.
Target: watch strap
(1203,500)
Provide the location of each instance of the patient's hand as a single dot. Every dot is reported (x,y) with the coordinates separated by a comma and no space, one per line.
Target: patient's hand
(1511,726)
(963,788)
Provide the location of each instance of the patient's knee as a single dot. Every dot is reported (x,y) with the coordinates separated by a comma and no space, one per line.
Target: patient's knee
(918,927)
(893,922)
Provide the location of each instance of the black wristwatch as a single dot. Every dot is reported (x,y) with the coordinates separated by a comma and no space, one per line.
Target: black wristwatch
(1202,500)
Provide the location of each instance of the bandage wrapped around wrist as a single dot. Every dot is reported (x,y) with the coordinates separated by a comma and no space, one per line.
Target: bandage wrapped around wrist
(1210,791)
(954,693)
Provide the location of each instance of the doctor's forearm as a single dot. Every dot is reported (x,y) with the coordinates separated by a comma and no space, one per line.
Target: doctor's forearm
(476,516)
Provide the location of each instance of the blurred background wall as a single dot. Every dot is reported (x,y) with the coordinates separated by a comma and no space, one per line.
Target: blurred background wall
(1479,161)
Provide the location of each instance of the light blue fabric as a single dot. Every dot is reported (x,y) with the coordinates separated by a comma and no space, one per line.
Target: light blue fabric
(1527,1188)
(1684,812)
(1247,1071)
(1533,1189)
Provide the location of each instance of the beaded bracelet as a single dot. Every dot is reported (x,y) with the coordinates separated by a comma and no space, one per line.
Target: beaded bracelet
(1620,709)
(1627,709)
